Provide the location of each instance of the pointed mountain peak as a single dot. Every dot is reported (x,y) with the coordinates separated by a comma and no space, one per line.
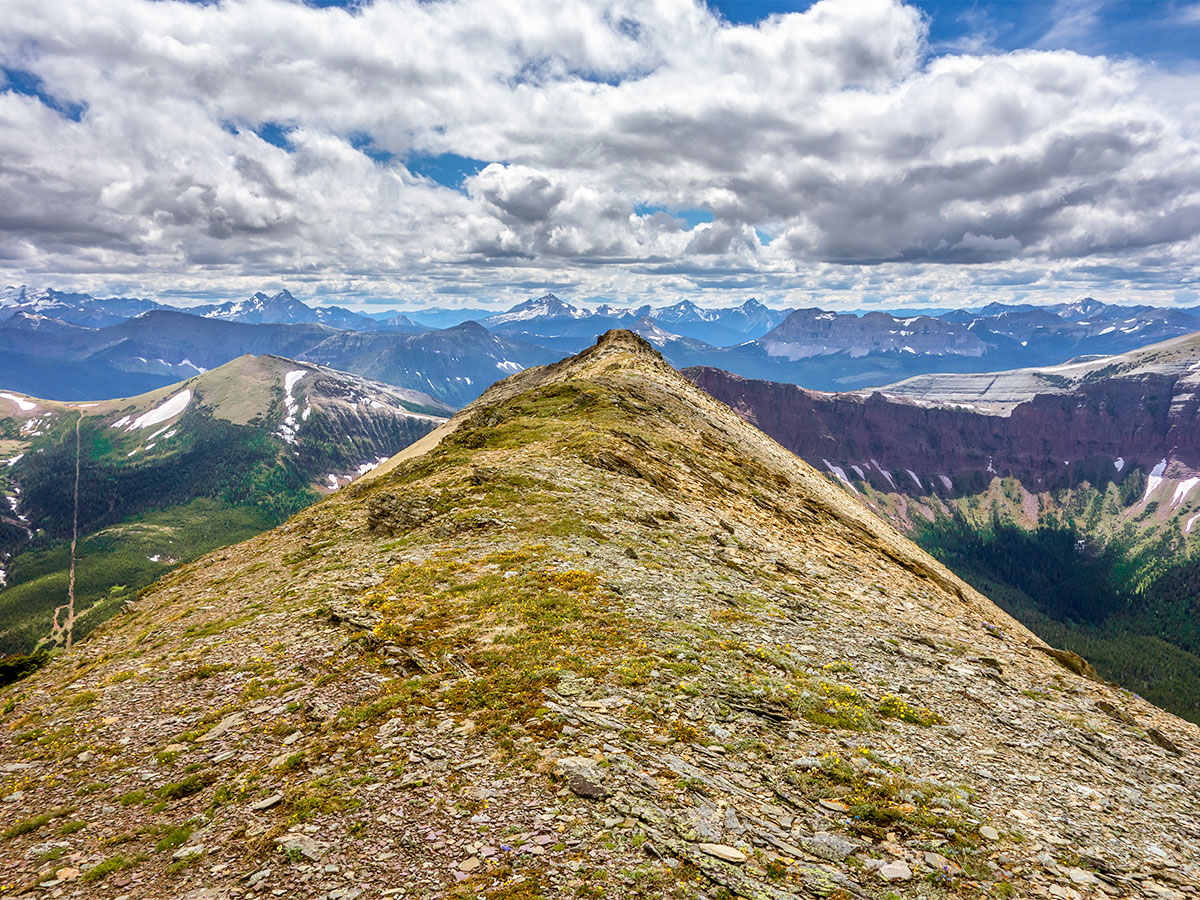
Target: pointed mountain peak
(547,306)
(682,306)
(1085,306)
(470,327)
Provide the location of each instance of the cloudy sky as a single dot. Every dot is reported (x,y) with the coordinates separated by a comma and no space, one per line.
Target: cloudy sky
(845,153)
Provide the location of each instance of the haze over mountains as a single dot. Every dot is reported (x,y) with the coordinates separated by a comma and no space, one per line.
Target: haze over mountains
(71,346)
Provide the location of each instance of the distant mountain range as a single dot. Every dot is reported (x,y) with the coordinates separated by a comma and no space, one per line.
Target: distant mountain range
(71,346)
(77,309)
(841,351)
(176,472)
(284,308)
(549,321)
(60,361)
(1070,492)
(258,309)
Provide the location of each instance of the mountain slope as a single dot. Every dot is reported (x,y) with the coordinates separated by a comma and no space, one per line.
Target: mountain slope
(174,473)
(454,364)
(1176,359)
(1067,492)
(595,637)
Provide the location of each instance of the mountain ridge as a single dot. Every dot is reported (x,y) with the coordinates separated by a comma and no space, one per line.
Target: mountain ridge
(162,346)
(598,613)
(819,349)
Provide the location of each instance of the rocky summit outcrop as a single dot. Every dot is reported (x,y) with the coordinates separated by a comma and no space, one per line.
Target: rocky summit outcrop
(594,637)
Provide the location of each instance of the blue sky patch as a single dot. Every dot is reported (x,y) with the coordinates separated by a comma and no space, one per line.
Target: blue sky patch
(276,133)
(447,169)
(1165,31)
(691,217)
(27,84)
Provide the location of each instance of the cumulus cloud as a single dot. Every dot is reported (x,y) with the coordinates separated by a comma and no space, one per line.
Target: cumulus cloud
(213,148)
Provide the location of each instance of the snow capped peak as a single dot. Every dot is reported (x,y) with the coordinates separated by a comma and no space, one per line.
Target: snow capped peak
(649,329)
(261,307)
(13,296)
(1082,308)
(552,305)
(686,311)
(29,298)
(612,311)
(547,306)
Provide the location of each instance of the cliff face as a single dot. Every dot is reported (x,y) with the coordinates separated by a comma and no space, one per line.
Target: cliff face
(593,637)
(1099,431)
(1069,494)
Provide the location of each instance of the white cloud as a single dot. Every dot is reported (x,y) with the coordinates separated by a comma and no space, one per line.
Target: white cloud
(876,168)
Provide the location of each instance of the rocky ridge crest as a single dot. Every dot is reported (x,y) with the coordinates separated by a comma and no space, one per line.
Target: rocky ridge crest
(596,636)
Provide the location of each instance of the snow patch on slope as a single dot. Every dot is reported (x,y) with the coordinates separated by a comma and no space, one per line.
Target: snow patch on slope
(162,413)
(1183,489)
(840,473)
(885,473)
(22,404)
(291,407)
(336,480)
(1155,479)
